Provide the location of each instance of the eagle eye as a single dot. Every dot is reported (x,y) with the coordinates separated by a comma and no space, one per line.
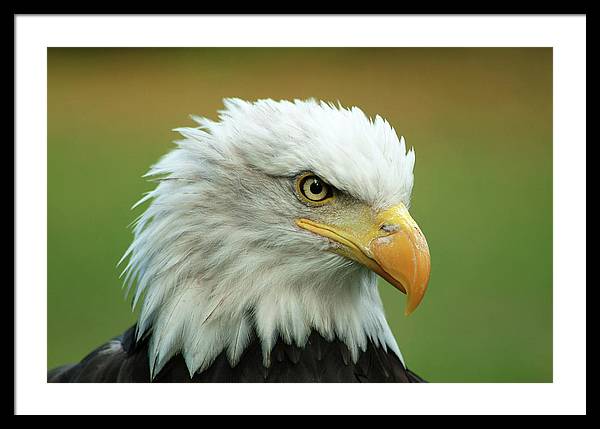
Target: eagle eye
(313,189)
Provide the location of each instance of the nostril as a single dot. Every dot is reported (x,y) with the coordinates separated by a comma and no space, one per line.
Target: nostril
(389,228)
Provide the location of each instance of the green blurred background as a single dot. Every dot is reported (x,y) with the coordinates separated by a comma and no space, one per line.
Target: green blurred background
(481,124)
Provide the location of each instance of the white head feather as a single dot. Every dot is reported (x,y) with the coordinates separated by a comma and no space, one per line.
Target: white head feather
(217,254)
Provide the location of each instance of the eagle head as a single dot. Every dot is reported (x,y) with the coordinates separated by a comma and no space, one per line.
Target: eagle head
(272,222)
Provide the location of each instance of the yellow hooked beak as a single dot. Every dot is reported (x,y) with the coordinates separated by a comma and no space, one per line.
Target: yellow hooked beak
(392,245)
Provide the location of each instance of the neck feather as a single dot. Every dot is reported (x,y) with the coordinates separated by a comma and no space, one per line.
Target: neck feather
(201,320)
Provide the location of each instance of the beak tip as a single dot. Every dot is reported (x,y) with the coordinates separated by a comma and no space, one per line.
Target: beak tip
(409,309)
(413,300)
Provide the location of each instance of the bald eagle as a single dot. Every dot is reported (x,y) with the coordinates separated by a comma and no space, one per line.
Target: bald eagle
(257,257)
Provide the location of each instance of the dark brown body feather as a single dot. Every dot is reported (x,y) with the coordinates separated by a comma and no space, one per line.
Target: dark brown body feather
(123,360)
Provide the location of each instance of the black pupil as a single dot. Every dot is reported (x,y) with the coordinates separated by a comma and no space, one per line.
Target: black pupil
(316,187)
